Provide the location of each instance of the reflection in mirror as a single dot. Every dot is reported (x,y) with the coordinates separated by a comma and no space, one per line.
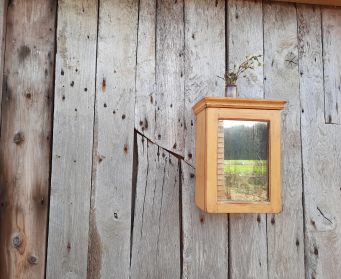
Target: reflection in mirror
(243,161)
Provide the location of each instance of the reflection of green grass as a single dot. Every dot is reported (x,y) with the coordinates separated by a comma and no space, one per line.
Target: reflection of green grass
(245,167)
(246,180)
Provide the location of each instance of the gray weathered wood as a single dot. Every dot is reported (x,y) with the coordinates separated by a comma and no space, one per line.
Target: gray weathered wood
(145,113)
(3,14)
(321,156)
(248,252)
(156,227)
(285,230)
(205,236)
(26,136)
(160,74)
(72,139)
(204,60)
(109,247)
(245,37)
(169,97)
(180,51)
(331,33)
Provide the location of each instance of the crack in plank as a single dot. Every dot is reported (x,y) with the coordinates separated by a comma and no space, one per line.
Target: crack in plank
(169,151)
(178,156)
(133,195)
(158,235)
(324,216)
(145,190)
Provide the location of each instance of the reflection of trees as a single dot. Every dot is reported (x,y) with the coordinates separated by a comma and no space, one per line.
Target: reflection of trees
(246,143)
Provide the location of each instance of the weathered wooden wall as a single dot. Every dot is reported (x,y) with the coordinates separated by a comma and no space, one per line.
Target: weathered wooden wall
(97,145)
(27,105)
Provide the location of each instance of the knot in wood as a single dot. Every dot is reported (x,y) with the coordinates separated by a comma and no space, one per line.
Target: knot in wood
(19,138)
(68,246)
(125,148)
(316,251)
(32,260)
(291,60)
(16,240)
(28,95)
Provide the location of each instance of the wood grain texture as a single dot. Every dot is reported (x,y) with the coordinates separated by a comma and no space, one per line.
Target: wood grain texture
(169,97)
(109,247)
(156,228)
(285,231)
(145,107)
(72,139)
(3,16)
(331,38)
(204,60)
(26,137)
(321,156)
(200,161)
(160,74)
(238,103)
(180,51)
(245,38)
(316,2)
(205,236)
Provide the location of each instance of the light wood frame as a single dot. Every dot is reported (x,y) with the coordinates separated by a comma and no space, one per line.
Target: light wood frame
(209,111)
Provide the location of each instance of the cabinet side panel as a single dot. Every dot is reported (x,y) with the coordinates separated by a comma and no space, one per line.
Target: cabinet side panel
(200,160)
(275,163)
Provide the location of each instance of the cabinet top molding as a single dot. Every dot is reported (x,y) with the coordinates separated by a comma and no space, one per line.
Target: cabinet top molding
(224,102)
(316,2)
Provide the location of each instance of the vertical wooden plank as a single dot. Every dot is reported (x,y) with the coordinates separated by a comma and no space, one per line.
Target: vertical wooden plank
(204,60)
(169,98)
(205,236)
(156,230)
(3,15)
(321,155)
(245,37)
(25,137)
(145,111)
(109,247)
(72,139)
(160,74)
(248,257)
(285,230)
(331,32)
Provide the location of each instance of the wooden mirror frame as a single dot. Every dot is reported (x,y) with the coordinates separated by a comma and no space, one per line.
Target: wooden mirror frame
(208,112)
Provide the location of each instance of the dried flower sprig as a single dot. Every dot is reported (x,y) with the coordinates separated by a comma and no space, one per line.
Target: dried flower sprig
(251,62)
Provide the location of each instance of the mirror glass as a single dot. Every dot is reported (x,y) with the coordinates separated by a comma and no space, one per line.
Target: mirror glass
(243,160)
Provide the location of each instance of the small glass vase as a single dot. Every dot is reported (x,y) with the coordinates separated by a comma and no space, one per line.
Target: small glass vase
(231,90)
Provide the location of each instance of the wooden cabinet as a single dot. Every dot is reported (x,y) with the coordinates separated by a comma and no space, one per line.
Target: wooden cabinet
(238,163)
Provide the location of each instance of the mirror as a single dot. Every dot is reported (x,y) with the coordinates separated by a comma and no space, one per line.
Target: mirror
(243,161)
